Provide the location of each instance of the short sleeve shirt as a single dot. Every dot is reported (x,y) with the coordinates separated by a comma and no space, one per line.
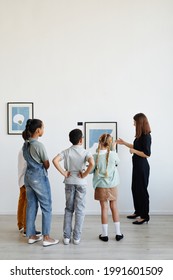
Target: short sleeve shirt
(99,178)
(143,144)
(75,159)
(38,151)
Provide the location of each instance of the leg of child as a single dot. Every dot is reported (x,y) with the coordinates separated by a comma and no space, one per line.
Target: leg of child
(21,202)
(104,217)
(115,217)
(24,212)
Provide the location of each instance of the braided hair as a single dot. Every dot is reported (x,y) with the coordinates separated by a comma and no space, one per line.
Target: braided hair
(105,140)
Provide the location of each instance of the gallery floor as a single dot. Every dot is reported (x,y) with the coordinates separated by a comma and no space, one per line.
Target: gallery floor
(152,241)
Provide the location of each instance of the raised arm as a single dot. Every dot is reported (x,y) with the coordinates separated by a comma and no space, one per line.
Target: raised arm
(122,142)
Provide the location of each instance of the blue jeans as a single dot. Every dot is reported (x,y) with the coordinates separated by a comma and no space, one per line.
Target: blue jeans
(75,202)
(38,190)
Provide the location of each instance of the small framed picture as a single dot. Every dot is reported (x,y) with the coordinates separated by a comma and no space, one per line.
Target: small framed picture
(93,130)
(17,115)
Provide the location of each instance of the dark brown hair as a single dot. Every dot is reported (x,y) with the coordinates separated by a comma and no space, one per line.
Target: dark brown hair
(31,126)
(142,125)
(75,135)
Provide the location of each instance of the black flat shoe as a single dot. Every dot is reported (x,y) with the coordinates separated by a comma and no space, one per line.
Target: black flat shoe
(103,238)
(133,216)
(140,222)
(119,237)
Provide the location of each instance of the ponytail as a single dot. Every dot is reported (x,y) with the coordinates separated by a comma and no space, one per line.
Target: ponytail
(31,126)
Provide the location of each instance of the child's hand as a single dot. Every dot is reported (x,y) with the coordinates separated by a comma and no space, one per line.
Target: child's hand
(67,174)
(81,174)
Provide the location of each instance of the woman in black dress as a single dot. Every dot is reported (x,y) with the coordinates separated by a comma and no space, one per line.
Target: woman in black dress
(141,150)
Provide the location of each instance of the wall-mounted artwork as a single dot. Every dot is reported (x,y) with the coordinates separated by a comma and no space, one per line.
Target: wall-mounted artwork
(93,130)
(17,115)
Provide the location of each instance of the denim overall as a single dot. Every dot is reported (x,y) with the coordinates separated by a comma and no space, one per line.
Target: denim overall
(37,190)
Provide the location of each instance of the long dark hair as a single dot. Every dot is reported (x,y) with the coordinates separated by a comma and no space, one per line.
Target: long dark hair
(142,125)
(31,126)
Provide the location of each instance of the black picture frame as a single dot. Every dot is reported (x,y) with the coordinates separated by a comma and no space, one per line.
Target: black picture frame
(17,115)
(93,130)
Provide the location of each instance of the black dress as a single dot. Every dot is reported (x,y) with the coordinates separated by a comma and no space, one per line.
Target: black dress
(140,176)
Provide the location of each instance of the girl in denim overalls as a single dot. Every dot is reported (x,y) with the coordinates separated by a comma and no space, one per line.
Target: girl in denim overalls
(37,183)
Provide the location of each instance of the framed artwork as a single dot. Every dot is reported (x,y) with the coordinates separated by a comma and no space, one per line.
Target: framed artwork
(17,115)
(93,130)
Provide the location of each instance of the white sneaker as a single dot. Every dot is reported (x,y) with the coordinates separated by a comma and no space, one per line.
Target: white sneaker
(50,243)
(76,242)
(32,240)
(66,241)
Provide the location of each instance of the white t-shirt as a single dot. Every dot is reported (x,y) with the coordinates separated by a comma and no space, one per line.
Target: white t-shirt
(21,168)
(75,159)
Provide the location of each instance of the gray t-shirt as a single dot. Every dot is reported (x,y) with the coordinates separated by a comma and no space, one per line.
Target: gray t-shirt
(37,151)
(75,159)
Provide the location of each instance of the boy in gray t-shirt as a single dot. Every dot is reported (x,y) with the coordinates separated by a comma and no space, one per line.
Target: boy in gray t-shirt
(74,172)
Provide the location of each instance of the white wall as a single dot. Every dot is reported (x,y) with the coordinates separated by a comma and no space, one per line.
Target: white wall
(88,60)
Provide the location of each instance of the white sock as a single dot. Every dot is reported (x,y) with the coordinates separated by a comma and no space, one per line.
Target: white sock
(104,229)
(117,228)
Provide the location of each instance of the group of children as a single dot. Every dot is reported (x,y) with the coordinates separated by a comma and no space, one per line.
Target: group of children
(78,163)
